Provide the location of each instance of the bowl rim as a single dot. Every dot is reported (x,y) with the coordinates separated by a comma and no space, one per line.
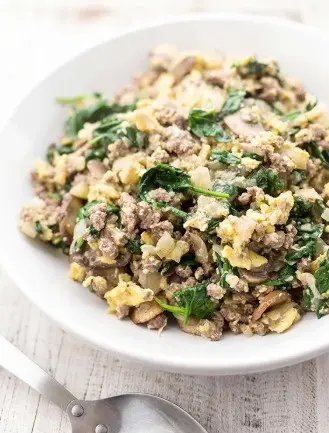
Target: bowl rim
(213,366)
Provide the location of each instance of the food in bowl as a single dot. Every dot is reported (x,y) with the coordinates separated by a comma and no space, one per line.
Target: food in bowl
(200,191)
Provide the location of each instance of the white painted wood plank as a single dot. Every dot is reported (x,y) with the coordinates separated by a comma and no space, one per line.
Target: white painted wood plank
(291,400)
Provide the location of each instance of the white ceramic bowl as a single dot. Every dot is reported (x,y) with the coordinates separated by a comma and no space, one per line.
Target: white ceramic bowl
(42,274)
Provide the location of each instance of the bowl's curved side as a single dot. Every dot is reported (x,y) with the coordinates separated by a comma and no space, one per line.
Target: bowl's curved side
(43,276)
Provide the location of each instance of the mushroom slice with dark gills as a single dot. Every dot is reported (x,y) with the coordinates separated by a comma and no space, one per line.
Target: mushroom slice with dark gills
(69,209)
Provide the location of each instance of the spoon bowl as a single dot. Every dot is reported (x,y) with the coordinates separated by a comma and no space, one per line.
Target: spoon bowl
(138,413)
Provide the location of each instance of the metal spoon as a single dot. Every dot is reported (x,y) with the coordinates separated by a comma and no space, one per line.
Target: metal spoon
(127,413)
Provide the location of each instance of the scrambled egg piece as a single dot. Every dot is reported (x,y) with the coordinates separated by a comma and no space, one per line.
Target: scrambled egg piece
(81,190)
(236,230)
(143,119)
(192,91)
(98,284)
(277,209)
(103,192)
(43,170)
(146,238)
(127,293)
(200,177)
(282,317)
(247,259)
(299,156)
(128,169)
(170,249)
(208,207)
(308,194)
(250,163)
(77,272)
(199,221)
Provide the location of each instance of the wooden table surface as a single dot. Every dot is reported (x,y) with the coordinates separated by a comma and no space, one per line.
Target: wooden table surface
(35,35)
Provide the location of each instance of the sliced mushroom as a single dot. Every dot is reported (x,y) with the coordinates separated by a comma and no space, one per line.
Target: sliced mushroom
(217,77)
(145,312)
(158,323)
(78,257)
(253,278)
(270,300)
(94,258)
(69,210)
(96,168)
(198,246)
(111,276)
(242,128)
(182,68)
(210,329)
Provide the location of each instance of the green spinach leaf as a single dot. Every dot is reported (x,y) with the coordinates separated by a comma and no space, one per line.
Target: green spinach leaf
(297,177)
(191,301)
(252,155)
(323,154)
(323,308)
(233,102)
(186,260)
(306,250)
(285,278)
(293,114)
(268,180)
(302,208)
(224,268)
(38,227)
(225,157)
(134,246)
(321,276)
(204,124)
(65,149)
(171,179)
(307,237)
(93,113)
(112,128)
(61,244)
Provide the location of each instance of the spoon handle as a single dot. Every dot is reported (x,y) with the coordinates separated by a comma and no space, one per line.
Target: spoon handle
(25,369)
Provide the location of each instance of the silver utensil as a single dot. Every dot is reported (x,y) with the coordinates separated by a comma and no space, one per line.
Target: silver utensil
(127,413)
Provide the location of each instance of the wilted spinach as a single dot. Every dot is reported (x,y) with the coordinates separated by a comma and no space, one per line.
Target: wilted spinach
(307,237)
(297,177)
(191,301)
(225,157)
(252,155)
(38,227)
(285,277)
(186,260)
(205,124)
(293,114)
(134,246)
(323,154)
(91,113)
(257,69)
(61,244)
(323,308)
(171,179)
(302,208)
(268,180)
(112,128)
(224,268)
(65,149)
(317,300)
(232,104)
